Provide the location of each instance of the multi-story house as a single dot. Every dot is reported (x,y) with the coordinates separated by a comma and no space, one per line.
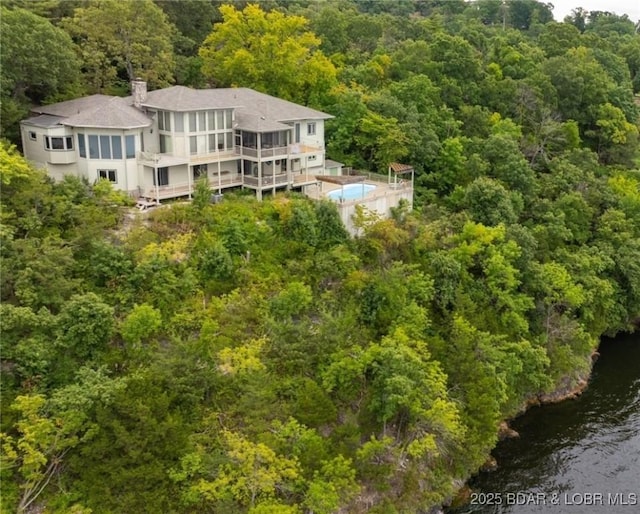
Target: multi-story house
(156,144)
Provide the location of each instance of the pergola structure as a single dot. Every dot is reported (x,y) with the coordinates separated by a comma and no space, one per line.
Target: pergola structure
(400,169)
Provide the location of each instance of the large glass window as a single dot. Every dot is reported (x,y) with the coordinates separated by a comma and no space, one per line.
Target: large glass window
(211,120)
(192,122)
(212,143)
(199,171)
(94,149)
(116,147)
(105,147)
(229,117)
(130,146)
(166,145)
(193,144)
(81,148)
(219,120)
(164,120)
(58,143)
(229,140)
(297,136)
(163,177)
(202,121)
(179,117)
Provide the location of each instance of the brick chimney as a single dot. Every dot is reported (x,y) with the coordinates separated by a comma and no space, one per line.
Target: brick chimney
(139,92)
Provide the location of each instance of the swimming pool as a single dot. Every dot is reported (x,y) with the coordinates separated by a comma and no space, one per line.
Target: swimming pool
(351,192)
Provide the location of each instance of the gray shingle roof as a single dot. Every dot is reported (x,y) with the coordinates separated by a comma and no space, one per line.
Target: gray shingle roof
(256,123)
(328,163)
(96,111)
(44,120)
(71,107)
(255,111)
(180,98)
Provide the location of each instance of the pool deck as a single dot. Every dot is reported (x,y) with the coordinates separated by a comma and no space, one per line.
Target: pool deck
(380,201)
(319,192)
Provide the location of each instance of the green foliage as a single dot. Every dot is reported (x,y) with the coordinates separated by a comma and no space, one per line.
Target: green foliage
(490,203)
(142,323)
(38,63)
(113,44)
(269,51)
(85,326)
(251,357)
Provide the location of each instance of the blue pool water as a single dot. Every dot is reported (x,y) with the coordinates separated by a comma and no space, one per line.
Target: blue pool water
(351,192)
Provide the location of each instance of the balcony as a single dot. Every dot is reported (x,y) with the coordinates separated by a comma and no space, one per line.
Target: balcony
(275,152)
(296,180)
(185,188)
(161,160)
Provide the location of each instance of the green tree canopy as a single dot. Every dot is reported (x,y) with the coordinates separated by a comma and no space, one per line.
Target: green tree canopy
(121,41)
(271,52)
(37,64)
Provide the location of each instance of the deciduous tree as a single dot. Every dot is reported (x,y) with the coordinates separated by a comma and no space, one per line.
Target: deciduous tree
(122,41)
(269,51)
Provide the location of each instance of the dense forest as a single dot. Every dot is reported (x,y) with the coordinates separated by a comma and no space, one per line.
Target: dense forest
(251,357)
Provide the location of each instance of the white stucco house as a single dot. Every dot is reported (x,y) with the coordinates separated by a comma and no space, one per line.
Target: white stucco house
(156,144)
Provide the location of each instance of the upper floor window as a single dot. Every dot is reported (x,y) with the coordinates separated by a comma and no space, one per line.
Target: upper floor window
(166,144)
(178,117)
(130,146)
(58,143)
(311,128)
(102,147)
(33,136)
(164,120)
(81,147)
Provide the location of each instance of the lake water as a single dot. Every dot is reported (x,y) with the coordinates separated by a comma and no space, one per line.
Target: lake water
(576,457)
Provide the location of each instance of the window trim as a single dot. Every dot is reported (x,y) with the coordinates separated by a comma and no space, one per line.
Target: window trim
(311,128)
(116,148)
(129,144)
(163,176)
(82,148)
(109,174)
(67,143)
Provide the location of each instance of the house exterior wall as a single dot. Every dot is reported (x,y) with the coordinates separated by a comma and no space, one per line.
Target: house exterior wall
(203,137)
(126,176)
(57,162)
(378,202)
(317,139)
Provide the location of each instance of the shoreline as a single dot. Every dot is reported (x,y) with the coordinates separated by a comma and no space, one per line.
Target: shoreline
(564,391)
